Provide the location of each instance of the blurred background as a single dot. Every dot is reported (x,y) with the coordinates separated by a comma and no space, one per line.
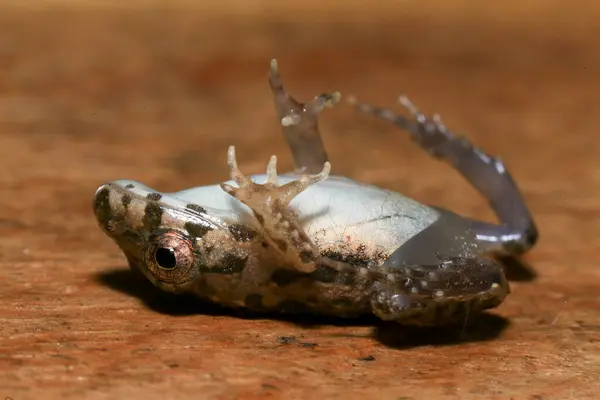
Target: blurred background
(92,91)
(169,85)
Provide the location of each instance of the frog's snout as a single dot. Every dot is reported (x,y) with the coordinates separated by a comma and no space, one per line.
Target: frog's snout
(110,206)
(101,205)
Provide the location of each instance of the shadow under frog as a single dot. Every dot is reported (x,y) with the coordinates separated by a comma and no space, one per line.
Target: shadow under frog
(477,328)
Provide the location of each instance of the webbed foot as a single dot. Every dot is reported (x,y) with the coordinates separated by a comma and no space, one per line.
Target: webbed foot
(427,295)
(270,204)
(300,123)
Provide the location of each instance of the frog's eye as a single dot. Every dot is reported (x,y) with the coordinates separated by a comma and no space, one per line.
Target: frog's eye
(165,257)
(170,257)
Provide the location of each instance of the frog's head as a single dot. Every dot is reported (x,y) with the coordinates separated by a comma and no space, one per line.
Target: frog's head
(158,235)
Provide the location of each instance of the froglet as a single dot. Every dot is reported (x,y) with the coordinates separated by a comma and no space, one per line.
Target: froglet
(314,242)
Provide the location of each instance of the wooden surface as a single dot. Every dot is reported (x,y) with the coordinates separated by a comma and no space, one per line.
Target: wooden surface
(90,94)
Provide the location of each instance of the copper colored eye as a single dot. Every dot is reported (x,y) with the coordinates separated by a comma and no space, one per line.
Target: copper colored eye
(170,257)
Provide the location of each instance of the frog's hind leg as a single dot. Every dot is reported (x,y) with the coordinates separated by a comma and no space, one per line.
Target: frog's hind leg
(445,292)
(300,123)
(517,231)
(270,204)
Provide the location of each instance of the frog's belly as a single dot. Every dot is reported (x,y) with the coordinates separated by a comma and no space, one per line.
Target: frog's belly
(338,214)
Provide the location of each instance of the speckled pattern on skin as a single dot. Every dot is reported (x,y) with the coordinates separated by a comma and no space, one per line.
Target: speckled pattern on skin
(344,248)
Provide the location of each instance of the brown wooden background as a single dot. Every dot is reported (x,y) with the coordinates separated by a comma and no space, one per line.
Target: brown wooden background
(147,91)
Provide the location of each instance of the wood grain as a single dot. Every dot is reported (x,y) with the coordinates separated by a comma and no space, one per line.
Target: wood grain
(155,93)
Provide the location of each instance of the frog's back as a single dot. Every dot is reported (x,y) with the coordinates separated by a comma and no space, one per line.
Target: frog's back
(340,215)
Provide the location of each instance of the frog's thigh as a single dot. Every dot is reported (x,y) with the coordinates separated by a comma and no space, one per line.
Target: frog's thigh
(440,293)
(451,235)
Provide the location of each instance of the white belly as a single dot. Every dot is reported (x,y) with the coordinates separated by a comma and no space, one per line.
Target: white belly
(335,212)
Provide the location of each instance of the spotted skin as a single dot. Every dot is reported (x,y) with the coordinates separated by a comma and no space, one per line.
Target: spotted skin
(234,265)
(154,196)
(309,241)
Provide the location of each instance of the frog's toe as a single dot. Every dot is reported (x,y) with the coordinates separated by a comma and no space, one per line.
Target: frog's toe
(294,188)
(234,172)
(272,171)
(227,188)
(296,112)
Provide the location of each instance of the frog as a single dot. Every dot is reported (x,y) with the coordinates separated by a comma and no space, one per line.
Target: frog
(311,241)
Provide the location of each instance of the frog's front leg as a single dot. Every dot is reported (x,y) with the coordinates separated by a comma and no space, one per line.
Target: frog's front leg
(447,292)
(269,203)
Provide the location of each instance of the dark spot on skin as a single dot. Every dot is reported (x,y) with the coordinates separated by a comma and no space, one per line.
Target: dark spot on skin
(306,256)
(283,277)
(196,207)
(359,257)
(152,216)
(232,264)
(102,207)
(241,233)
(197,230)
(324,274)
(367,358)
(265,244)
(308,344)
(282,245)
(260,218)
(129,186)
(253,301)
(154,196)
(126,200)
